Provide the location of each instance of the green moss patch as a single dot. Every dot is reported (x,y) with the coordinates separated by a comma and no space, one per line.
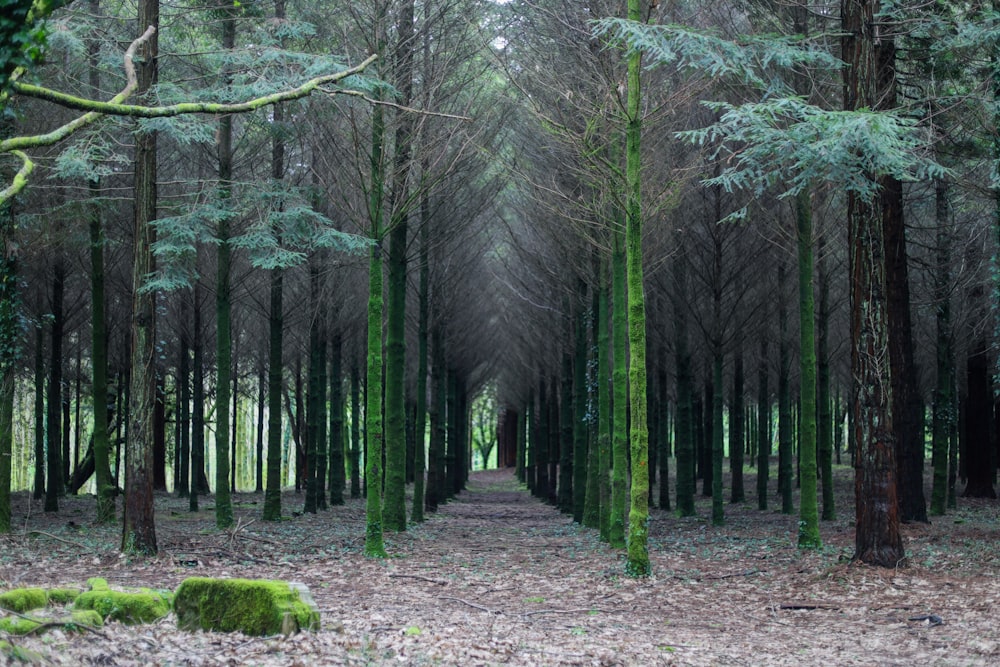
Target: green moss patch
(15,654)
(18,625)
(24,599)
(63,595)
(254,607)
(130,607)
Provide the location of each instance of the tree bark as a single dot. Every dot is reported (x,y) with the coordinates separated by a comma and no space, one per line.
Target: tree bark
(139,530)
(877,537)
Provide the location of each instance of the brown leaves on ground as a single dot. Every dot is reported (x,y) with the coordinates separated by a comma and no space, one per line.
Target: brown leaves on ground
(497,577)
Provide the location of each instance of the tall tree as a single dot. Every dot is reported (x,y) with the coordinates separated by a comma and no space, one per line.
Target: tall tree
(223,293)
(877,536)
(638,555)
(395,369)
(139,531)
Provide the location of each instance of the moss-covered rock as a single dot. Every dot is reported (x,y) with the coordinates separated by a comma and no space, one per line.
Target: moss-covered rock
(24,599)
(130,607)
(254,607)
(97,584)
(16,625)
(62,595)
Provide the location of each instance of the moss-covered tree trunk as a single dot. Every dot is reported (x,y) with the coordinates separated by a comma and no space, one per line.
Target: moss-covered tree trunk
(138,529)
(604,389)
(809,537)
(395,346)
(638,554)
(877,537)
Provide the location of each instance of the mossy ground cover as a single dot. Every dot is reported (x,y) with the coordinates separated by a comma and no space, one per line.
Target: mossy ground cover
(469,579)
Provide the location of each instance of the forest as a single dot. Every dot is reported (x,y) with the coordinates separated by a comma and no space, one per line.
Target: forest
(520,331)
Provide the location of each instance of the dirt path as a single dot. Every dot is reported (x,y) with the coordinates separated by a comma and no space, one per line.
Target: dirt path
(497,577)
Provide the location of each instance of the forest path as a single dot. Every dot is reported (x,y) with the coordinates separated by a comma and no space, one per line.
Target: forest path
(499,577)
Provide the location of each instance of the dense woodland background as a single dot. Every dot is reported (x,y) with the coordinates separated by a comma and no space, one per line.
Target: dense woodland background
(477,169)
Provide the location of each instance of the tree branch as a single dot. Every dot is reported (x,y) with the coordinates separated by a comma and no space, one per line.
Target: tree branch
(115,108)
(20,178)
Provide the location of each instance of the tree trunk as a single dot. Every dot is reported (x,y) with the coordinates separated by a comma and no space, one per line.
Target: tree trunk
(9,334)
(355,430)
(737,427)
(139,531)
(423,323)
(763,426)
(39,484)
(906,401)
(199,481)
(259,450)
(223,303)
(944,401)
(566,442)
(336,480)
(183,487)
(435,464)
(877,537)
(619,401)
(53,462)
(604,389)
(579,416)
(785,418)
(824,422)
(809,537)
(395,369)
(638,516)
(683,420)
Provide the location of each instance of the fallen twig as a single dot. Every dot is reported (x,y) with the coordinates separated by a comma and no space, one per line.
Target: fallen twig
(421,578)
(79,545)
(807,606)
(568,611)
(473,605)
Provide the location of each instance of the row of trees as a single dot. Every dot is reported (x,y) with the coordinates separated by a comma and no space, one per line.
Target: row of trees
(608,241)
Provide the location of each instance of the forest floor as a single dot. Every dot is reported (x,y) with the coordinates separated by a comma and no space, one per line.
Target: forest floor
(498,577)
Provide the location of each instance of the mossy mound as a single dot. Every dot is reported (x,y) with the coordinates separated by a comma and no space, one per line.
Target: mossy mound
(17,625)
(24,599)
(63,595)
(129,607)
(254,607)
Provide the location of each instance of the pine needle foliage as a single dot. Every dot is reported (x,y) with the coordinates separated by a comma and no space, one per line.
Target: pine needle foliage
(788,143)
